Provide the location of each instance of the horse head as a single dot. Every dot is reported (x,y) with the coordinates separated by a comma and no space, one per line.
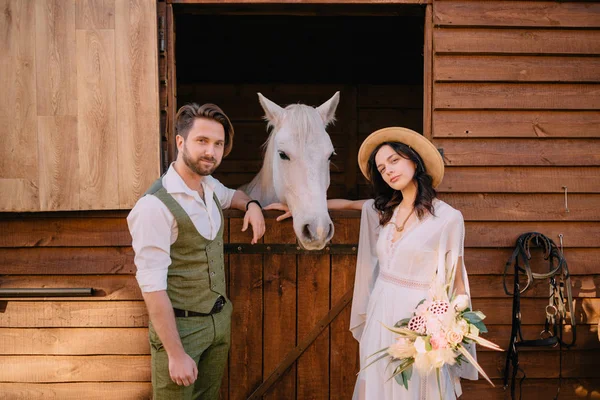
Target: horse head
(298,153)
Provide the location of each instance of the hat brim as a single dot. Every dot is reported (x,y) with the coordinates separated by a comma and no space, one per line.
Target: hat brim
(434,164)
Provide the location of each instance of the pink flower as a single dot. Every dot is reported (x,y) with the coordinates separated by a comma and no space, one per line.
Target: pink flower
(438,341)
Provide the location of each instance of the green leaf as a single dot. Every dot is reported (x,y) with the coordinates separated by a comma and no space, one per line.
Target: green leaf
(481,326)
(402,322)
(474,316)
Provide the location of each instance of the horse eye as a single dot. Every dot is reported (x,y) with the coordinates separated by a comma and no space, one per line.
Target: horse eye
(331,156)
(283,156)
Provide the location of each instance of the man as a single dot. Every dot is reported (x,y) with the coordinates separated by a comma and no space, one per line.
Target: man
(177,231)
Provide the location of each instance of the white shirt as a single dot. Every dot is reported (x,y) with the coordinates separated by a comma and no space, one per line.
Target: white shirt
(154,229)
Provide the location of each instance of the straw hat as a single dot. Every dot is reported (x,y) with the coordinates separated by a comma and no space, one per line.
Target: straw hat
(434,164)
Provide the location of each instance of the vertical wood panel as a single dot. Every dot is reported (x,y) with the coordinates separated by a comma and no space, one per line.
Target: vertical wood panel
(428,73)
(246,353)
(345,361)
(313,304)
(279,309)
(138,133)
(58,163)
(97,119)
(95,14)
(56,60)
(18,121)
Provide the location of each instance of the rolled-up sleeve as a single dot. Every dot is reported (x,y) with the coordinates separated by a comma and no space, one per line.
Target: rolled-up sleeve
(224,194)
(150,225)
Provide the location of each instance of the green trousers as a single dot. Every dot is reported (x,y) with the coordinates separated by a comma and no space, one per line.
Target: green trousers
(206,339)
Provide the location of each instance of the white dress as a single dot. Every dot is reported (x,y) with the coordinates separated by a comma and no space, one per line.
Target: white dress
(391,279)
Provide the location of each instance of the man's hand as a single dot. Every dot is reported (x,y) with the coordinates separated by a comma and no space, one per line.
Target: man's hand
(280,207)
(183,369)
(254,217)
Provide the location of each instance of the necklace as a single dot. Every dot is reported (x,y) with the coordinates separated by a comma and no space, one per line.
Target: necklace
(401,227)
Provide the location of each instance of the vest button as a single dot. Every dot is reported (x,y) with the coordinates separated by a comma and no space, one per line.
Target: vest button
(212,273)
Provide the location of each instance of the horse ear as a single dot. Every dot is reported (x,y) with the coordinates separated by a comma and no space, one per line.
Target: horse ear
(272,110)
(327,109)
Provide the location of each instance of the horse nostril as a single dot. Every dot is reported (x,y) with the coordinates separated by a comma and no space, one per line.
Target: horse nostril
(306,231)
(330,233)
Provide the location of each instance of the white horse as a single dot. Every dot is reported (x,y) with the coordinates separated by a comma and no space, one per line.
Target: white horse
(295,168)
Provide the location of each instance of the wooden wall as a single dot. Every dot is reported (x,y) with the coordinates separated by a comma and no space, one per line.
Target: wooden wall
(516,109)
(79,104)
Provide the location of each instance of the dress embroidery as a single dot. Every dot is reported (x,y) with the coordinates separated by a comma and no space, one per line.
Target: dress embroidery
(411,284)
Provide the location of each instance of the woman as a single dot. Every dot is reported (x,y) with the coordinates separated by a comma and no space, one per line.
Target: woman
(408,239)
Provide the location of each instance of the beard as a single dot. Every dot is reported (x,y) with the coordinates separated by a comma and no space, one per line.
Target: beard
(196,164)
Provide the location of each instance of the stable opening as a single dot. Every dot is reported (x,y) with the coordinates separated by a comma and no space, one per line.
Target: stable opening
(303,54)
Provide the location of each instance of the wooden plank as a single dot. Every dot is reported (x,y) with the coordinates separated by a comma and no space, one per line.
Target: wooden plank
(24,195)
(517,14)
(71,232)
(499,311)
(246,294)
(240,102)
(570,389)
(75,369)
(67,260)
(58,163)
(503,152)
(74,341)
(280,309)
(587,337)
(313,303)
(75,314)
(75,391)
(18,118)
(538,96)
(344,360)
(371,119)
(521,179)
(171,86)
(97,119)
(95,14)
(544,364)
(105,287)
(303,1)
(482,261)
(484,123)
(138,121)
(428,70)
(516,41)
(583,286)
(516,69)
(524,207)
(56,58)
(504,234)
(390,96)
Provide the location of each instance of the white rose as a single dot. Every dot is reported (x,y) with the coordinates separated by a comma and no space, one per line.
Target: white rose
(461,302)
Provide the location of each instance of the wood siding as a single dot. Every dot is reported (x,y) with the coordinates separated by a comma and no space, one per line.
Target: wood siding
(97,346)
(516,100)
(79,110)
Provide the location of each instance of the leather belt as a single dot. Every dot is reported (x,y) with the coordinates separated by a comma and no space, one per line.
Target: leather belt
(217,308)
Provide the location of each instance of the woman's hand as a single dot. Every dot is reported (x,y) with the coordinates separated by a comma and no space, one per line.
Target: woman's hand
(280,207)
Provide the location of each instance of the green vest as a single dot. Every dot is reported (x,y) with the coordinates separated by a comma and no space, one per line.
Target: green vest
(196,276)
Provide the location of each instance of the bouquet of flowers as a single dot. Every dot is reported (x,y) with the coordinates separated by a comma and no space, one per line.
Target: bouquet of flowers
(434,336)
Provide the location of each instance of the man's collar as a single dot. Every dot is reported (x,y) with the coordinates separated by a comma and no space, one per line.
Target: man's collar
(174,183)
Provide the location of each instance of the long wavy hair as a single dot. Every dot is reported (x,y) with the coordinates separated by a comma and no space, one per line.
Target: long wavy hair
(386,198)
